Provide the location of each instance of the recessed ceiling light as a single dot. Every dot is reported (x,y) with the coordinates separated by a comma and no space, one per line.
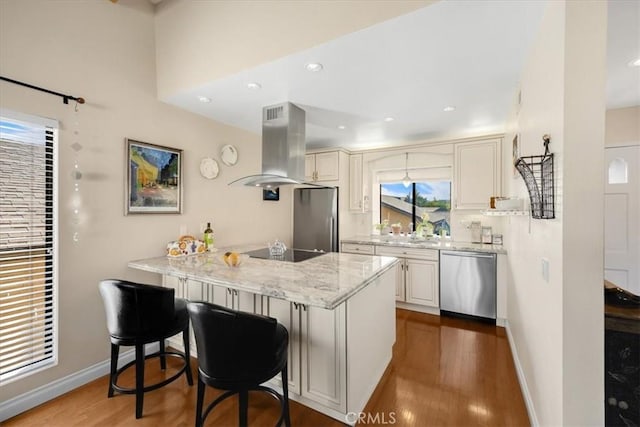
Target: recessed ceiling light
(204,99)
(314,67)
(449,108)
(342,127)
(253,86)
(389,119)
(635,63)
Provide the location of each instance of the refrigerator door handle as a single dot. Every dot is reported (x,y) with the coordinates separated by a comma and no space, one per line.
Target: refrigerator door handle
(332,221)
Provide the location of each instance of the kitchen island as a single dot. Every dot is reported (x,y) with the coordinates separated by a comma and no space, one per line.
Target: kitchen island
(339,310)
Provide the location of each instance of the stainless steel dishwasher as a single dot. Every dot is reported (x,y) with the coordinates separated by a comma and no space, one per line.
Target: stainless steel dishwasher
(468,283)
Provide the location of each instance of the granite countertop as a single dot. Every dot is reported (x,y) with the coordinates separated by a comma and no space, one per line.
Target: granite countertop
(324,281)
(439,244)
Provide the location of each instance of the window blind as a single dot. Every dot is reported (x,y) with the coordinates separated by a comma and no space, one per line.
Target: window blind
(27,276)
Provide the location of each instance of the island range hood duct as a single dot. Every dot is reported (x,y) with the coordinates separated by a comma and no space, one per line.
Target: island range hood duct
(283,148)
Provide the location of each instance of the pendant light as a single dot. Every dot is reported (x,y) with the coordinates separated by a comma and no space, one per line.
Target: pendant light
(406,181)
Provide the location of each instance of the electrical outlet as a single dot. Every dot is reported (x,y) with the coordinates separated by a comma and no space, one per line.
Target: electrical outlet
(203,226)
(183,230)
(545,269)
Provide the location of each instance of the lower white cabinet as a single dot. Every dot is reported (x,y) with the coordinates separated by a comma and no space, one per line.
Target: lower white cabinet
(325,372)
(421,282)
(196,291)
(417,276)
(317,351)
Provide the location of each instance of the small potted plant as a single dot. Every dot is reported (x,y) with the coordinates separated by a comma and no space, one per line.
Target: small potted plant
(381,228)
(395,228)
(424,228)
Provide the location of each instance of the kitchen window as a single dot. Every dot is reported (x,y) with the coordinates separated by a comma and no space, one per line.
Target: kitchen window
(429,200)
(28,285)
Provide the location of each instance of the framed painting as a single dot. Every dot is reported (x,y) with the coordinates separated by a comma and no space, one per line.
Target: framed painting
(154,178)
(271,194)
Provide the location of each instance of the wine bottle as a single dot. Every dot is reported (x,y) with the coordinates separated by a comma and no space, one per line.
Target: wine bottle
(208,237)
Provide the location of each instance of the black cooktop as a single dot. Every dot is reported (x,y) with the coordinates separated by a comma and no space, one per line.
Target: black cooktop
(291,255)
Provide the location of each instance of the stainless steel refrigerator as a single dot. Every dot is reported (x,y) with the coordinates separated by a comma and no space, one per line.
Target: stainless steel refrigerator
(315,219)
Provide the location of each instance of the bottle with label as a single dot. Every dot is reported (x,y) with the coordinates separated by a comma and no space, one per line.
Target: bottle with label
(208,237)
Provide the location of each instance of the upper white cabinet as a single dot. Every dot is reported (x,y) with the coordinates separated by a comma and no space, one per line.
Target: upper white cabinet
(477,173)
(356,196)
(322,166)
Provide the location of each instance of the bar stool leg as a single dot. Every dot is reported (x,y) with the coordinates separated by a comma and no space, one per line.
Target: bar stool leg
(187,355)
(285,395)
(115,351)
(243,395)
(163,359)
(139,379)
(199,401)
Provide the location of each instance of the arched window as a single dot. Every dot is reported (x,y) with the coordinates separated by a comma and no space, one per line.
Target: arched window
(618,171)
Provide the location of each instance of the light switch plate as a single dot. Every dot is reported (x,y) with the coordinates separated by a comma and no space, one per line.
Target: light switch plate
(545,269)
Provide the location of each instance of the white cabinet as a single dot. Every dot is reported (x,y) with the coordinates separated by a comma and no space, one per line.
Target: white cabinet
(478,173)
(356,195)
(232,298)
(288,314)
(417,276)
(196,291)
(354,248)
(317,351)
(322,166)
(421,282)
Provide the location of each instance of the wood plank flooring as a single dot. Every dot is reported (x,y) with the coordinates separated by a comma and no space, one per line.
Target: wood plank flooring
(444,372)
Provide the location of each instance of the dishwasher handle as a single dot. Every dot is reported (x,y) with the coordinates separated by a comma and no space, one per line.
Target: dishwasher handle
(468,254)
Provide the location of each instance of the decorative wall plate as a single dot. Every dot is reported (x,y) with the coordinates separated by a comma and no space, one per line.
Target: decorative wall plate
(209,168)
(229,155)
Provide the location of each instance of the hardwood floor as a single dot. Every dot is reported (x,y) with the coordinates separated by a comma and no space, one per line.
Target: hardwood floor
(444,372)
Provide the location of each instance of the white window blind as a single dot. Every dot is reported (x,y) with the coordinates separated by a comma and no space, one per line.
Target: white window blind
(27,277)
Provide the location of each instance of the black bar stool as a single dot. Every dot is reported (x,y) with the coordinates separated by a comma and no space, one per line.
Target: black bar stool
(139,314)
(237,352)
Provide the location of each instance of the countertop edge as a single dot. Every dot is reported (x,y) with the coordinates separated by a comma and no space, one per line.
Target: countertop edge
(450,245)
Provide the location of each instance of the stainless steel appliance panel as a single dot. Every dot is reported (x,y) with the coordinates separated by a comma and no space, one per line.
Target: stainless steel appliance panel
(315,219)
(468,283)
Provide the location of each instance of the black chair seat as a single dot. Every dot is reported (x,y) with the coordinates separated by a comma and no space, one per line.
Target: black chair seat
(140,314)
(237,352)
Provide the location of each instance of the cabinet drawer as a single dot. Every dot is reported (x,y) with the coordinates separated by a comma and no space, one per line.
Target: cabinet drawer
(428,254)
(354,248)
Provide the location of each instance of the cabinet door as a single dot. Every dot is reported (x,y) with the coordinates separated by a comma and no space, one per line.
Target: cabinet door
(310,167)
(288,315)
(355,183)
(220,295)
(195,291)
(323,360)
(327,166)
(400,281)
(478,174)
(174,283)
(244,301)
(422,282)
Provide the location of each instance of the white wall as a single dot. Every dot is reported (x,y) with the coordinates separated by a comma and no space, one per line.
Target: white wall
(557,325)
(105,53)
(622,126)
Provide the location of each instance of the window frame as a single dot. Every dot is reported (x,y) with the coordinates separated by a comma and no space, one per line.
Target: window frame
(414,220)
(51,239)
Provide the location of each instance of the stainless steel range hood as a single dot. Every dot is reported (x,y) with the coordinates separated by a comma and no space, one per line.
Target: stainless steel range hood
(283,148)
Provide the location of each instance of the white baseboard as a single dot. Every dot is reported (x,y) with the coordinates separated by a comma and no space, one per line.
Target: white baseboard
(522,379)
(40,395)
